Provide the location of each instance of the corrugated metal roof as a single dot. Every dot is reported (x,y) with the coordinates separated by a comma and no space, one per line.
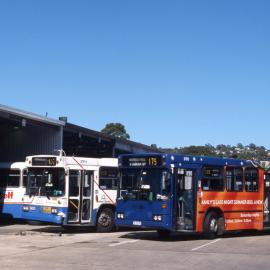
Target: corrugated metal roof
(119,143)
(32,116)
(88,131)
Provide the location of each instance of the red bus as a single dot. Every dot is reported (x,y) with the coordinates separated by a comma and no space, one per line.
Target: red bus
(175,193)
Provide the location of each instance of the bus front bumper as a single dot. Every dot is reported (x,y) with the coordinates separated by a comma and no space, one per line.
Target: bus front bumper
(144,224)
(49,214)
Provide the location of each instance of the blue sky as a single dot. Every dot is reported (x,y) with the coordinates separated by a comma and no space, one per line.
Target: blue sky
(175,73)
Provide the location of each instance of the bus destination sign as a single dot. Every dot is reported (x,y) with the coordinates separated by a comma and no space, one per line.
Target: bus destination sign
(150,161)
(44,161)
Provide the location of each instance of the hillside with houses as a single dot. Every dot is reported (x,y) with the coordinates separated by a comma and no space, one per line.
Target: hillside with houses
(240,151)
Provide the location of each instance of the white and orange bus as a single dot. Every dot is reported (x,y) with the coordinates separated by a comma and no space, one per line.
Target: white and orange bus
(192,194)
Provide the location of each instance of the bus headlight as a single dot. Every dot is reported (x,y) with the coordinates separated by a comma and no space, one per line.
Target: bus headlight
(157,217)
(25,208)
(54,210)
(120,215)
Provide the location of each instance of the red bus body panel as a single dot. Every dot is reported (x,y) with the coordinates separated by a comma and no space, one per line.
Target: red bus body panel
(241,210)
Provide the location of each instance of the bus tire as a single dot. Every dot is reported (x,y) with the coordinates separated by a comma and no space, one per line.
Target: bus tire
(211,225)
(105,220)
(221,226)
(163,233)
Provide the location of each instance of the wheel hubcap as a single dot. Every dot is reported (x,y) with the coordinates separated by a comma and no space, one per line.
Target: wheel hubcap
(104,220)
(213,225)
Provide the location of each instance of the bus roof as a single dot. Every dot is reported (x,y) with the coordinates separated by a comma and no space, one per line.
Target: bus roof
(169,159)
(12,165)
(81,161)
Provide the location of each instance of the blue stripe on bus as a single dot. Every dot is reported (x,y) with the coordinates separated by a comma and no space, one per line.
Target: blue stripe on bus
(39,215)
(15,210)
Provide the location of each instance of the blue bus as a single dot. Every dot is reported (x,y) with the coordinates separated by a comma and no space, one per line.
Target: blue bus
(191,194)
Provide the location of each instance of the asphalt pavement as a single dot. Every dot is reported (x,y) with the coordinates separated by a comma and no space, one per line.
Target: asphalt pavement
(24,246)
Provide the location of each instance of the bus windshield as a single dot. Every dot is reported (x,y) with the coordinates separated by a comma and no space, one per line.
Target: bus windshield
(144,184)
(48,182)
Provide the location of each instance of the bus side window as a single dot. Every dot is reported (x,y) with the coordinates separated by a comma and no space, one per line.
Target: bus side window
(212,179)
(3,178)
(251,180)
(108,178)
(13,179)
(234,179)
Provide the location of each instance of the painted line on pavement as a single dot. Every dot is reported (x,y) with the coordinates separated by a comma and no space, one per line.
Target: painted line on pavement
(210,243)
(122,243)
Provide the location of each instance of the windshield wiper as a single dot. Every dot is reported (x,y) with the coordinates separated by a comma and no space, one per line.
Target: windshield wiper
(33,191)
(48,197)
(47,193)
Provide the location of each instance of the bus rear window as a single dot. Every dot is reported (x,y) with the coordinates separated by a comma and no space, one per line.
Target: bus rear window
(212,179)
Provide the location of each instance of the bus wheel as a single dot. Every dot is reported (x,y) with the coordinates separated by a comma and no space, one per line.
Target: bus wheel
(163,233)
(211,225)
(105,220)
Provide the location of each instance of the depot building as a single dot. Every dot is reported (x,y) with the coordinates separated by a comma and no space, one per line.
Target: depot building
(24,133)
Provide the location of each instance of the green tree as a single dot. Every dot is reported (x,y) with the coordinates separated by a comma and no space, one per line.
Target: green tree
(116,129)
(252,146)
(198,150)
(153,145)
(240,146)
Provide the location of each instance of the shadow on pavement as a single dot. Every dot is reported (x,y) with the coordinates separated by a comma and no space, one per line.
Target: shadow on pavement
(63,230)
(153,236)
(131,233)
(10,221)
(174,237)
(49,228)
(247,233)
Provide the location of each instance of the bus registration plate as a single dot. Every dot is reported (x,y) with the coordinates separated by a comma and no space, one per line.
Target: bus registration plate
(47,210)
(137,223)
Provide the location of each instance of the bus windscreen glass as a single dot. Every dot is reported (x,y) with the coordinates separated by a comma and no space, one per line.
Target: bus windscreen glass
(145,184)
(46,182)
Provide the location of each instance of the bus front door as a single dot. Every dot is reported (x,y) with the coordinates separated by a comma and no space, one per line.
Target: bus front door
(185,199)
(80,197)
